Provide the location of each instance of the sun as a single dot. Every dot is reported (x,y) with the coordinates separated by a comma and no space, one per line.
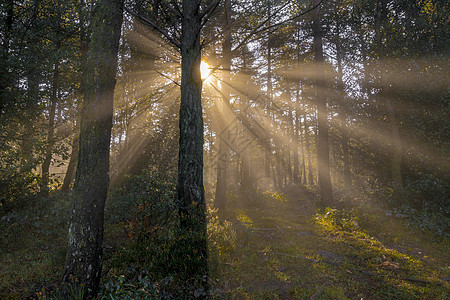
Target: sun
(204,70)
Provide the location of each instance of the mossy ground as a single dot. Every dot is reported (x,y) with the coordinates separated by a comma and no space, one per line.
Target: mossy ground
(272,246)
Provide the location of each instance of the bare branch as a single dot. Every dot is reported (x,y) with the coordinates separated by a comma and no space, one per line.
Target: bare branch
(173,8)
(176,7)
(165,76)
(210,8)
(152,24)
(290,19)
(259,28)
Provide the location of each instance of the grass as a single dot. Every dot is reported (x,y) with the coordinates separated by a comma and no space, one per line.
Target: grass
(295,251)
(274,246)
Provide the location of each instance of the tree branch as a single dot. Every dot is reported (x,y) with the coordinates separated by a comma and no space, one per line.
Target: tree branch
(165,76)
(258,29)
(152,24)
(210,8)
(290,19)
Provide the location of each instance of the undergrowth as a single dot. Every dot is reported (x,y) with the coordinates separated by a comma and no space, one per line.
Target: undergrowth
(271,245)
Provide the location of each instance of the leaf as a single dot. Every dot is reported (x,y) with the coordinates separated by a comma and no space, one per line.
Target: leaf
(390,265)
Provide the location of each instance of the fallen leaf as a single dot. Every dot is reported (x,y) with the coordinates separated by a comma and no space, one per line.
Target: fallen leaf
(390,265)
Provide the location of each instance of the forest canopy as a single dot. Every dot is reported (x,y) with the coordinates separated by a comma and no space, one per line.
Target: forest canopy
(159,123)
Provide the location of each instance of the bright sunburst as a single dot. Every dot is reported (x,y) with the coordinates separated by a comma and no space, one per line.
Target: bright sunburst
(205,70)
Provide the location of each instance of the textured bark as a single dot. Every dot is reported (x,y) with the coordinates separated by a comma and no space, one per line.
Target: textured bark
(84,258)
(190,191)
(222,164)
(323,159)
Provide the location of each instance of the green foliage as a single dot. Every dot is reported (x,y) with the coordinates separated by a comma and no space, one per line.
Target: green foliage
(61,292)
(140,288)
(334,219)
(143,205)
(32,246)
(430,193)
(221,239)
(18,181)
(156,262)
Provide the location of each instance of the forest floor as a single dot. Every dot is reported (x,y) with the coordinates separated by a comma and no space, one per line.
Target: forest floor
(285,249)
(276,246)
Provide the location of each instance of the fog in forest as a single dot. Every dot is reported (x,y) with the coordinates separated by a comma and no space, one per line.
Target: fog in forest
(224,149)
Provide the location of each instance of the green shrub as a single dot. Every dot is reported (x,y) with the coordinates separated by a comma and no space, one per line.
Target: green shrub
(334,219)
(143,205)
(140,288)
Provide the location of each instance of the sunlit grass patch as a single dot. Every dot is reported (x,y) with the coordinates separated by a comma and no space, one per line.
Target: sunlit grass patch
(399,275)
(244,218)
(278,197)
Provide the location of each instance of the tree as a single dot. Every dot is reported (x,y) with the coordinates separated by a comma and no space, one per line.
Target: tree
(222,164)
(84,257)
(190,191)
(323,159)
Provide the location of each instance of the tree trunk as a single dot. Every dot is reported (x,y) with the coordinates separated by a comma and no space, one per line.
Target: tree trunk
(72,167)
(84,258)
(297,172)
(190,192)
(222,162)
(268,150)
(323,159)
(308,152)
(51,132)
(396,161)
(5,76)
(345,137)
(396,167)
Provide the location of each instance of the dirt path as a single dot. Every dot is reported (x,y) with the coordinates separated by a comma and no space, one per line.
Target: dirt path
(285,251)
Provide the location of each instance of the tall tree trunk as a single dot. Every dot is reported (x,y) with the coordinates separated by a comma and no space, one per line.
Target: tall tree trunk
(222,162)
(302,145)
(72,167)
(51,132)
(268,150)
(345,137)
(190,192)
(5,76)
(296,175)
(396,166)
(297,172)
(290,147)
(323,159)
(308,151)
(396,152)
(84,258)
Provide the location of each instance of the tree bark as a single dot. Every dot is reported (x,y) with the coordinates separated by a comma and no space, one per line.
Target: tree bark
(84,258)
(323,159)
(190,191)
